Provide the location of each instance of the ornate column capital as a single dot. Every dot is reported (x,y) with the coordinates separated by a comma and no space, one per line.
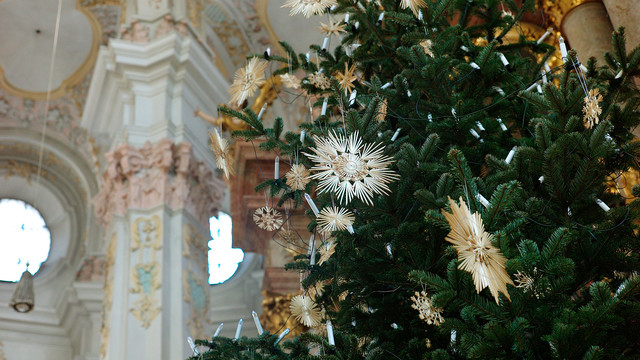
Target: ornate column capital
(163,173)
(557,10)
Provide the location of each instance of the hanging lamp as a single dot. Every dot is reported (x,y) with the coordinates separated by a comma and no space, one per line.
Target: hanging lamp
(23,296)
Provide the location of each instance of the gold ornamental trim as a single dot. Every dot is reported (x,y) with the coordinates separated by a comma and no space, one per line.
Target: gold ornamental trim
(557,10)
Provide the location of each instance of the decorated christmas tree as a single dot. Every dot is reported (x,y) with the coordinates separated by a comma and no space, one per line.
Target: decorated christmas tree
(463,190)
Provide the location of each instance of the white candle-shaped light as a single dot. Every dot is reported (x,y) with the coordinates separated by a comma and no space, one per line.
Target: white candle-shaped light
(350,229)
(474,133)
(379,133)
(619,74)
(464,48)
(531,87)
(541,179)
(193,346)
(346,18)
(385,85)
(474,65)
(499,90)
(302,133)
(312,250)
(333,8)
(330,338)
(262,110)
(430,117)
(388,247)
(267,53)
(539,88)
(547,68)
(238,330)
(381,17)
(324,106)
(503,58)
(284,333)
(569,211)
(502,125)
(602,205)
(544,76)
(357,24)
(325,42)
(352,98)
(312,205)
(308,56)
(583,68)
(217,333)
(544,36)
(395,135)
(256,320)
(563,48)
(420,16)
(482,200)
(511,154)
(276,168)
(479,125)
(408,93)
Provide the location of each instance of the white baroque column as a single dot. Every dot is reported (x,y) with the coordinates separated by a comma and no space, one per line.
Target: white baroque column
(155,203)
(158,190)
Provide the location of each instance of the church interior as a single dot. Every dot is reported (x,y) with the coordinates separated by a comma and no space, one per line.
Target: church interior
(105,113)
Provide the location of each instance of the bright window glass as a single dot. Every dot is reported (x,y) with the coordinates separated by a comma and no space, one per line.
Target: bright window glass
(24,238)
(223,259)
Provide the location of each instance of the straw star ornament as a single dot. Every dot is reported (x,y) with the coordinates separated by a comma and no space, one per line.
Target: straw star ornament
(308,7)
(305,310)
(333,28)
(220,148)
(267,218)
(414,5)
(347,167)
(247,80)
(319,80)
(290,81)
(427,312)
(347,78)
(298,177)
(335,219)
(591,108)
(475,252)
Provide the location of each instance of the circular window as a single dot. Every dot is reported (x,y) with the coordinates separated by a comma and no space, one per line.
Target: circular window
(223,259)
(24,239)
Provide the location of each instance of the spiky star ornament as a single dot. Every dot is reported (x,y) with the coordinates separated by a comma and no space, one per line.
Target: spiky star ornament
(220,148)
(349,168)
(298,177)
(333,28)
(267,218)
(414,5)
(247,80)
(335,219)
(308,7)
(305,310)
(475,252)
(347,78)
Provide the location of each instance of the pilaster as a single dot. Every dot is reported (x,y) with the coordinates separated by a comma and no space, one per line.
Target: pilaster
(155,203)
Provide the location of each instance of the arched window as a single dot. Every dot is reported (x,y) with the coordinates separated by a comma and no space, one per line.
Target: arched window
(223,259)
(24,238)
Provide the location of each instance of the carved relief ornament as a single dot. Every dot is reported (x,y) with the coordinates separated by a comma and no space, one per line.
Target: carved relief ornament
(164,173)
